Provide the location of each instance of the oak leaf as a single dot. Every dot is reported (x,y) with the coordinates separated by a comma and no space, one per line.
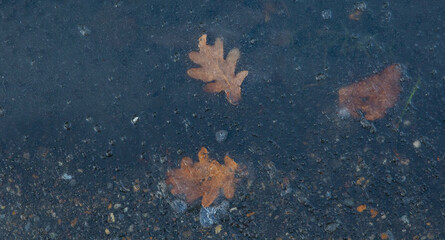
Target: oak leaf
(219,74)
(204,178)
(373,95)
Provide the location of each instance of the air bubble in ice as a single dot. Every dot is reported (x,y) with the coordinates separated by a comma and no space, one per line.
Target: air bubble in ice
(221,135)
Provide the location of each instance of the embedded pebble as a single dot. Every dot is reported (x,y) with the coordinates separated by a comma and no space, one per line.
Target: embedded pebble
(66,176)
(221,135)
(349,202)
(83,30)
(178,206)
(135,120)
(326,14)
(211,215)
(405,219)
(207,216)
(330,228)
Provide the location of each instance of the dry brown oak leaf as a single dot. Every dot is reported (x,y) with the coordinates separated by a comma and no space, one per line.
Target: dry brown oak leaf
(219,74)
(373,95)
(203,179)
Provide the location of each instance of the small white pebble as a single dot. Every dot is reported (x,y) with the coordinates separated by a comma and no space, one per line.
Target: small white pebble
(407,123)
(343,113)
(221,135)
(135,120)
(66,176)
(326,14)
(83,30)
(416,144)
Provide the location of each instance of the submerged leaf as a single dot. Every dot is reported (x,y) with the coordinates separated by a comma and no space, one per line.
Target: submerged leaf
(219,74)
(204,178)
(373,95)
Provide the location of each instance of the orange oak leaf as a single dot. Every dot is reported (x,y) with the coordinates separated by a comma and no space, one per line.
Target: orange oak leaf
(373,95)
(204,178)
(219,74)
